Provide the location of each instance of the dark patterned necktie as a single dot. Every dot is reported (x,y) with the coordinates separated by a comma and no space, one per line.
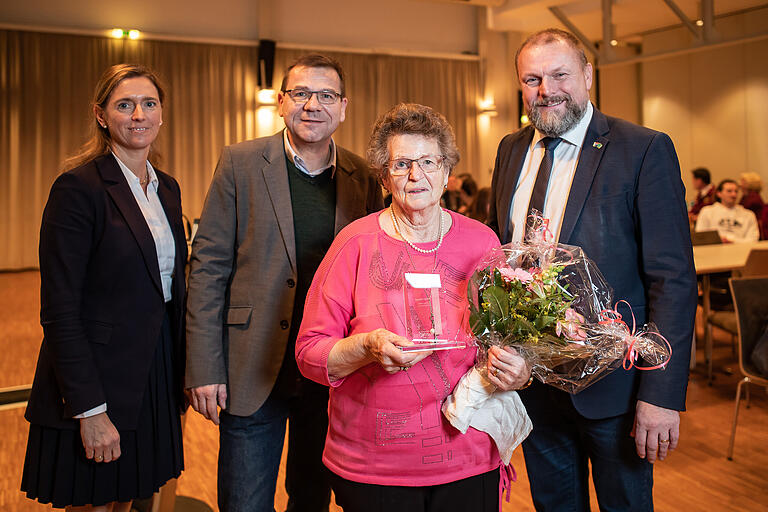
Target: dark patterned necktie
(539,193)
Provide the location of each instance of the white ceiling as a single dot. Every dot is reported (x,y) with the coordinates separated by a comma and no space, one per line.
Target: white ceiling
(631,18)
(409,25)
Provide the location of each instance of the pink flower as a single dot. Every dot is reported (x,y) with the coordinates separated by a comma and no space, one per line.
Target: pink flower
(570,328)
(517,274)
(571,315)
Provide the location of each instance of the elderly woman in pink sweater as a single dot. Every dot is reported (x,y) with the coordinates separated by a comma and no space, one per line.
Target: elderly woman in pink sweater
(388,445)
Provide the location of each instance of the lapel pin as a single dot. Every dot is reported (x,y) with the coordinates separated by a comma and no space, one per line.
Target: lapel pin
(598,145)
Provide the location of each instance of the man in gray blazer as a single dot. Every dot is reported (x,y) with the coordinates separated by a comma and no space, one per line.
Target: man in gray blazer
(272,210)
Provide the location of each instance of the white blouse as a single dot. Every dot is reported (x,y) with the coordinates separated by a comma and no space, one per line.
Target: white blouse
(157,222)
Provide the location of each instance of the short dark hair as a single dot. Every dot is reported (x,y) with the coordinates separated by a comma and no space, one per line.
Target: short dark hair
(724,183)
(315,60)
(702,173)
(410,119)
(552,35)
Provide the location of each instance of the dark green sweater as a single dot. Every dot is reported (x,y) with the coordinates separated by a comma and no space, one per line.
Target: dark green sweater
(313,201)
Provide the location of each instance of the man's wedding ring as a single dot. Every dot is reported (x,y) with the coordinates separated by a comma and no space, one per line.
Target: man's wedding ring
(98,458)
(664,441)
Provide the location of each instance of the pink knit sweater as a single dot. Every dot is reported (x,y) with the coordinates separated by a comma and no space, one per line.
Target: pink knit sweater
(388,429)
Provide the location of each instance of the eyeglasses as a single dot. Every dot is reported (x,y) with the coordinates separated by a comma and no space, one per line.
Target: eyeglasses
(324,97)
(428,164)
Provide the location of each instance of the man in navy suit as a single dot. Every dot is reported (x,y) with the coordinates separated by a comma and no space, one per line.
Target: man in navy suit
(614,189)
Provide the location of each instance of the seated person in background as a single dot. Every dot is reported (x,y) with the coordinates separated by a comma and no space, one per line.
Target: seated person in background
(751,184)
(705,192)
(459,193)
(733,222)
(481,205)
(467,192)
(451,198)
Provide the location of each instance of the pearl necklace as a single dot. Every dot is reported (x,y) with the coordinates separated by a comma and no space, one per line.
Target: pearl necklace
(412,246)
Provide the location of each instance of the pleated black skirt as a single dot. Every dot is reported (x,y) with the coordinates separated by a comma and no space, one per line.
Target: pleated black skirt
(57,472)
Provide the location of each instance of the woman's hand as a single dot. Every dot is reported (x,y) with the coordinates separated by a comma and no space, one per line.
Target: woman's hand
(101,439)
(506,369)
(383,345)
(379,346)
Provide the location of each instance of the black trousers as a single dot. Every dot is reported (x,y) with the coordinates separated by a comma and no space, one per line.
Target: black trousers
(474,494)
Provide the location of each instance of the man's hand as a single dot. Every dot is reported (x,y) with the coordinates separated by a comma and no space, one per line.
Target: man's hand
(656,431)
(204,400)
(101,439)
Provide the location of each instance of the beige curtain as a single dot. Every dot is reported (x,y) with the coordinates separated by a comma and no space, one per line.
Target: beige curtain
(47,81)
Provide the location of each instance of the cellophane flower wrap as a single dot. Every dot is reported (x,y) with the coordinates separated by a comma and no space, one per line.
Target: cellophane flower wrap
(553,305)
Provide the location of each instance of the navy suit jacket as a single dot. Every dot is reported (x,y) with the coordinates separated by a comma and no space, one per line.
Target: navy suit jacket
(102,304)
(626,209)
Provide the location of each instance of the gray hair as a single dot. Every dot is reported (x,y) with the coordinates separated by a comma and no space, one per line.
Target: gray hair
(552,35)
(410,119)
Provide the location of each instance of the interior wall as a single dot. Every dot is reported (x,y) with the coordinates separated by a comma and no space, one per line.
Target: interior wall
(427,27)
(620,94)
(713,102)
(499,90)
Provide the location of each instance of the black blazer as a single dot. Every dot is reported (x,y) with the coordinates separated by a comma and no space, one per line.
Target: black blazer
(626,209)
(102,303)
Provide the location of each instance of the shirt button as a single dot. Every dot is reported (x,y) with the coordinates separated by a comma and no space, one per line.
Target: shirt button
(284,324)
(291,283)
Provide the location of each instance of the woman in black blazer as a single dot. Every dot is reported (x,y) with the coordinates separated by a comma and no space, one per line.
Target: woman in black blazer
(107,394)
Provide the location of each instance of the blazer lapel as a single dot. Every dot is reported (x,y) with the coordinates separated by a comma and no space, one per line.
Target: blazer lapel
(595,142)
(275,174)
(349,192)
(172,209)
(118,188)
(513,163)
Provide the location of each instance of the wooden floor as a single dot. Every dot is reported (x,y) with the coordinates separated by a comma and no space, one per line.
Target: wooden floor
(697,477)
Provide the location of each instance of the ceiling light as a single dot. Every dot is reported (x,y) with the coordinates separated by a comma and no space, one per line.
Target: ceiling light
(117,33)
(699,23)
(134,34)
(614,42)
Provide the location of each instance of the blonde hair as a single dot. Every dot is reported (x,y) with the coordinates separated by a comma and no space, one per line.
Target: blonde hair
(99,142)
(751,180)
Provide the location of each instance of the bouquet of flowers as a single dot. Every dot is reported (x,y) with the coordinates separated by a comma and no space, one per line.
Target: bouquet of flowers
(553,305)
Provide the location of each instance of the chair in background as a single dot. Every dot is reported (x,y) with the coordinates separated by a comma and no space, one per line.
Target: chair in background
(756,265)
(751,303)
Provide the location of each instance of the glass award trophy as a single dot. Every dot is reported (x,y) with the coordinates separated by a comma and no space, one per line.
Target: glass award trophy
(423,314)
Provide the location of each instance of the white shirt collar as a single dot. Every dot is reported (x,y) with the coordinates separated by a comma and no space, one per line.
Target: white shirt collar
(132,177)
(301,165)
(575,135)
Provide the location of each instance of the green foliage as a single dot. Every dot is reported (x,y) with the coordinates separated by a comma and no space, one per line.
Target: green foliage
(515,311)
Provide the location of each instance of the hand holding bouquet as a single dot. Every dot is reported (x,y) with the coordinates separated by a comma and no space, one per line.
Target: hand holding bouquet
(553,305)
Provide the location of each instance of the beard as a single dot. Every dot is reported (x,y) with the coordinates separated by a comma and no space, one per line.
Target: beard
(553,124)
